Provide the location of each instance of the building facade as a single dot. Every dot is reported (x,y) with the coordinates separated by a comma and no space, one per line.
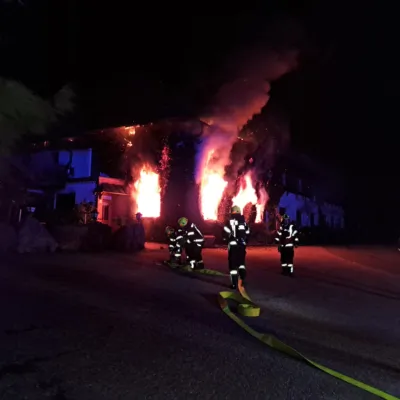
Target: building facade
(75,180)
(307,212)
(308,192)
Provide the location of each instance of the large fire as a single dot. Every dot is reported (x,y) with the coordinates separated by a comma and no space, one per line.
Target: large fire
(260,206)
(147,193)
(248,195)
(212,188)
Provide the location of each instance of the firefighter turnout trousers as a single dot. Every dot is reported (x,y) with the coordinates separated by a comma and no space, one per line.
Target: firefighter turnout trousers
(287,256)
(236,260)
(176,254)
(175,249)
(194,256)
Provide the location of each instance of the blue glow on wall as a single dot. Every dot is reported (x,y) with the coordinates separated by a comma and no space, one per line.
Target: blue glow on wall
(307,212)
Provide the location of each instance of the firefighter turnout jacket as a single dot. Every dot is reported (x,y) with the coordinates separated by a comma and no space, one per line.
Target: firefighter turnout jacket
(192,235)
(237,231)
(287,237)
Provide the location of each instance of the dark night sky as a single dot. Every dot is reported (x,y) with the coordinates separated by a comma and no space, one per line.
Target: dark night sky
(128,65)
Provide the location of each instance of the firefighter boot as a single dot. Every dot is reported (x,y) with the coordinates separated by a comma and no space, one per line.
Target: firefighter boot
(174,261)
(234,279)
(242,273)
(199,265)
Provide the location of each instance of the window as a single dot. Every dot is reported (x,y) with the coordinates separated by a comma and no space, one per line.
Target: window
(312,221)
(105,212)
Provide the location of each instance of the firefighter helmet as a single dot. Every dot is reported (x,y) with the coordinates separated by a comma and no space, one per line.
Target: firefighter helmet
(182,222)
(169,230)
(285,220)
(235,210)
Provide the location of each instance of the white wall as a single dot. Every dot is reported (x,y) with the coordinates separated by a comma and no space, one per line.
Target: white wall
(81,162)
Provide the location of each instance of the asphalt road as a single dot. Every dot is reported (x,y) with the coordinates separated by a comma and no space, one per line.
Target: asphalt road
(112,326)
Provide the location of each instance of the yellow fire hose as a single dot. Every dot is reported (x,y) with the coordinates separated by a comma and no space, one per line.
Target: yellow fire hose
(247,308)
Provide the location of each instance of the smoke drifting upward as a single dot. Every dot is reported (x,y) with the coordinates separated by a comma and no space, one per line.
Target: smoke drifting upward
(145,147)
(272,136)
(236,103)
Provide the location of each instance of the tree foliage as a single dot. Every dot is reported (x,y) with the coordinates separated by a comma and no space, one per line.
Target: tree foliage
(23,112)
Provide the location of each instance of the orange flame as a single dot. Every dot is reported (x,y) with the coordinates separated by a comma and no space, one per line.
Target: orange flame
(260,206)
(147,193)
(212,188)
(248,195)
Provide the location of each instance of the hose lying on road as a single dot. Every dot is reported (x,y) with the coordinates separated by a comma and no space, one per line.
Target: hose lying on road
(247,308)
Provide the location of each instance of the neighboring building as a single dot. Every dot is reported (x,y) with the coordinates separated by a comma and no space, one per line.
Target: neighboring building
(74,186)
(308,192)
(84,184)
(307,212)
(82,180)
(68,171)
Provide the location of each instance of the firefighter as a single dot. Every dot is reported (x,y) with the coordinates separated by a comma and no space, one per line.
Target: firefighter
(287,240)
(139,232)
(236,233)
(171,236)
(174,245)
(193,241)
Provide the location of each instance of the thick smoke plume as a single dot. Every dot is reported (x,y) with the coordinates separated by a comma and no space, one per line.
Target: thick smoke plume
(238,101)
(269,136)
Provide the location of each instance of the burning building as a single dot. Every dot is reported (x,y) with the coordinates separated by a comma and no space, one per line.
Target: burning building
(174,174)
(170,169)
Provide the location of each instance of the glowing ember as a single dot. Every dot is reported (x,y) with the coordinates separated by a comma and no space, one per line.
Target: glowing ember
(164,167)
(131,129)
(212,188)
(147,193)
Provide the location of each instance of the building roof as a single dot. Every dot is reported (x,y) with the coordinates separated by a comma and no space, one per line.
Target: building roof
(111,188)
